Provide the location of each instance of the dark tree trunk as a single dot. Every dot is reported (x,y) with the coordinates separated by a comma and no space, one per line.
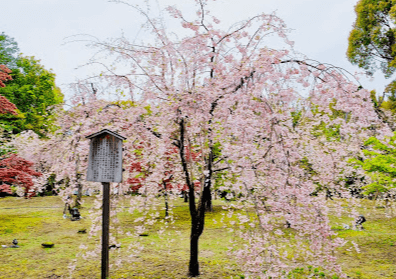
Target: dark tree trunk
(166,206)
(166,199)
(185,196)
(197,213)
(79,195)
(193,268)
(208,199)
(77,203)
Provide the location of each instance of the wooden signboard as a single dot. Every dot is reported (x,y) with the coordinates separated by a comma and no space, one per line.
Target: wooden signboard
(105,165)
(105,157)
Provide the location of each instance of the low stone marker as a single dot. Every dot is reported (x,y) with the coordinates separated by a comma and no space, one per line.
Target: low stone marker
(359,221)
(47,244)
(75,214)
(14,244)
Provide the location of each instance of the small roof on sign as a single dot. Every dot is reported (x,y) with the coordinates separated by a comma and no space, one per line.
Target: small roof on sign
(105,131)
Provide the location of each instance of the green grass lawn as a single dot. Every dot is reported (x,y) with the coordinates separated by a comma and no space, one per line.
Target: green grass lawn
(377,244)
(38,220)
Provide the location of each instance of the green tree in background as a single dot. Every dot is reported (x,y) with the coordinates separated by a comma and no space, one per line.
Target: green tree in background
(372,46)
(32,89)
(372,40)
(379,164)
(8,51)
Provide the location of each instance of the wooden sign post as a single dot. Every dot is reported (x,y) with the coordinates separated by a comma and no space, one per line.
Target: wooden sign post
(105,165)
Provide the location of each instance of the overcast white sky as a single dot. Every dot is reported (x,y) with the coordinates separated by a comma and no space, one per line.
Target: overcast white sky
(41,28)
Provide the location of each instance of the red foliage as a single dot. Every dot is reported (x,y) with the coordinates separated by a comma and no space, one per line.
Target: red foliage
(136,182)
(4,75)
(5,105)
(16,170)
(136,167)
(184,187)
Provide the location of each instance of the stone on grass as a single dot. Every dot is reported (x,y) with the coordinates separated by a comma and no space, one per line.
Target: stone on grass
(75,214)
(14,244)
(48,244)
(359,221)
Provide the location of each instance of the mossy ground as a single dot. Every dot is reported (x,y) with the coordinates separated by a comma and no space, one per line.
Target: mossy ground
(38,220)
(377,244)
